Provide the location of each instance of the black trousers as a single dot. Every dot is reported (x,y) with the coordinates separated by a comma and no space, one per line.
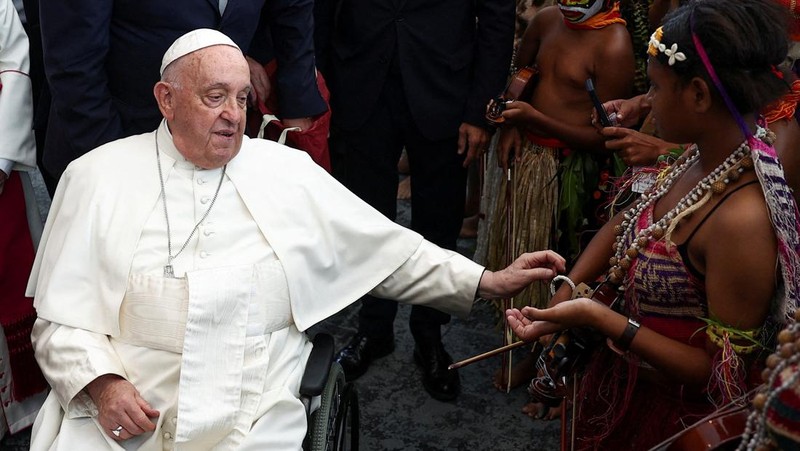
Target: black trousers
(365,160)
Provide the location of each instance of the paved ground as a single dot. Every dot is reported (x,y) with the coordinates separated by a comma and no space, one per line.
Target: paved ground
(398,415)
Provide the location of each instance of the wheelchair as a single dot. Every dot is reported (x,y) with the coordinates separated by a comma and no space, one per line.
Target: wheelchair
(333,426)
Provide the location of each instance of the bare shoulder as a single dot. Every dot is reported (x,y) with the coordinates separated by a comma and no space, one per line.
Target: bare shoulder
(740,254)
(548,14)
(615,41)
(743,213)
(736,226)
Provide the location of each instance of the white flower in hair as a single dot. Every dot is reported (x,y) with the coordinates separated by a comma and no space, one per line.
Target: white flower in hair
(673,53)
(657,46)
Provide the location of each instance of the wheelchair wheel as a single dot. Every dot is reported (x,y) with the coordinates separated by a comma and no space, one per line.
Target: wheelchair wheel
(334,426)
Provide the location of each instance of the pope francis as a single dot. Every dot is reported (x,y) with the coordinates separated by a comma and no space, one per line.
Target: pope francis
(178,270)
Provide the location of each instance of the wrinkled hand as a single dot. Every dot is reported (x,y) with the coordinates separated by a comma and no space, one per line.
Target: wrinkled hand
(626,112)
(259,80)
(3,178)
(472,140)
(531,323)
(303,123)
(527,268)
(518,112)
(509,146)
(119,404)
(635,148)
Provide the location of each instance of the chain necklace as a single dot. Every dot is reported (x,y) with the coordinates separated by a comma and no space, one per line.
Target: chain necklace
(168,269)
(715,182)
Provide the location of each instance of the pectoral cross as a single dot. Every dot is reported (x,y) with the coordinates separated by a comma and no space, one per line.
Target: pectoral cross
(169,272)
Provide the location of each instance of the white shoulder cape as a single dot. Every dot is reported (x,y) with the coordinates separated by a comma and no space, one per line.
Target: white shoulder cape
(333,246)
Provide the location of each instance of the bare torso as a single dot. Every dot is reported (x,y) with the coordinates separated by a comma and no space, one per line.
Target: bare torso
(567,57)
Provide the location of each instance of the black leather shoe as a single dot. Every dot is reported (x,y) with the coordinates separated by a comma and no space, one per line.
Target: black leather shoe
(362,350)
(439,382)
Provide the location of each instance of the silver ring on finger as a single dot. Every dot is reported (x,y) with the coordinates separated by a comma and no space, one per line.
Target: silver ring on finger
(116,431)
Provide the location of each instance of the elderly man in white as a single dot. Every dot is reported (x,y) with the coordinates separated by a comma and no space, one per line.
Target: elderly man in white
(179,268)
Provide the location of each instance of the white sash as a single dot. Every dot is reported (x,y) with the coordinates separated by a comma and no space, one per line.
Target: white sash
(213,353)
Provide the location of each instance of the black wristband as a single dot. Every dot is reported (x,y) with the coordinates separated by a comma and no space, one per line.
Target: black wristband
(623,343)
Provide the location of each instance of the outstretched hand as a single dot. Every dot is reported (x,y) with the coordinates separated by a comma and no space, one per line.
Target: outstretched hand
(119,404)
(527,268)
(531,323)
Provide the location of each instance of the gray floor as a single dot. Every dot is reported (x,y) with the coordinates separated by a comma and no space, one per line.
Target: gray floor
(397,414)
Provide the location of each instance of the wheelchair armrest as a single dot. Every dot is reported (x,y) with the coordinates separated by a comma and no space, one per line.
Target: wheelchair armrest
(318,366)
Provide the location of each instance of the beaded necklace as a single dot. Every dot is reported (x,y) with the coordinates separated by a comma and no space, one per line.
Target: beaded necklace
(715,183)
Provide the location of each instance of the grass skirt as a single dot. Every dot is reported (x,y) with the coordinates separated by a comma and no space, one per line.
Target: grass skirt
(529,199)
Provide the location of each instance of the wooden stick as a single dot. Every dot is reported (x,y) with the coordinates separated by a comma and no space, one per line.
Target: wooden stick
(506,365)
(485,355)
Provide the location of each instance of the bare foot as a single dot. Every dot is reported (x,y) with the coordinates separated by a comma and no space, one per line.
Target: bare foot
(521,373)
(404,189)
(469,227)
(539,411)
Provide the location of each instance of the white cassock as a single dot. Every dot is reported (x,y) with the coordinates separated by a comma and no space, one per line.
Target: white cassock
(219,353)
(18,153)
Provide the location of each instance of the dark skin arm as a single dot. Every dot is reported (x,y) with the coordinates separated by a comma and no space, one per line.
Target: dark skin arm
(681,362)
(582,137)
(636,148)
(593,262)
(531,40)
(633,147)
(739,285)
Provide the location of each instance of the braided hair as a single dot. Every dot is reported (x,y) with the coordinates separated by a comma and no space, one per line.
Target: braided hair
(745,41)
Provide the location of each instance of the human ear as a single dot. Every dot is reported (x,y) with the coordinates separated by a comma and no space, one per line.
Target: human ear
(700,93)
(165,99)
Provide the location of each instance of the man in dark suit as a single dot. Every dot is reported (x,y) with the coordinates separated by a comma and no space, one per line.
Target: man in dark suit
(413,74)
(102,59)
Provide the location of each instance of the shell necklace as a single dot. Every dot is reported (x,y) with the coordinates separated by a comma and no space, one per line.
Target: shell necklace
(716,182)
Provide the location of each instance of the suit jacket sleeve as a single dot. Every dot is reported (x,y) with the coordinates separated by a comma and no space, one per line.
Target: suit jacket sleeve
(493,51)
(290,24)
(75,40)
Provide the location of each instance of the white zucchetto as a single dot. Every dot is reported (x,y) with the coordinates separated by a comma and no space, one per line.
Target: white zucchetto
(192,42)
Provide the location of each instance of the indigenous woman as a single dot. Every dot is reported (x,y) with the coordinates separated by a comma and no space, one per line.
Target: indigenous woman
(708,258)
